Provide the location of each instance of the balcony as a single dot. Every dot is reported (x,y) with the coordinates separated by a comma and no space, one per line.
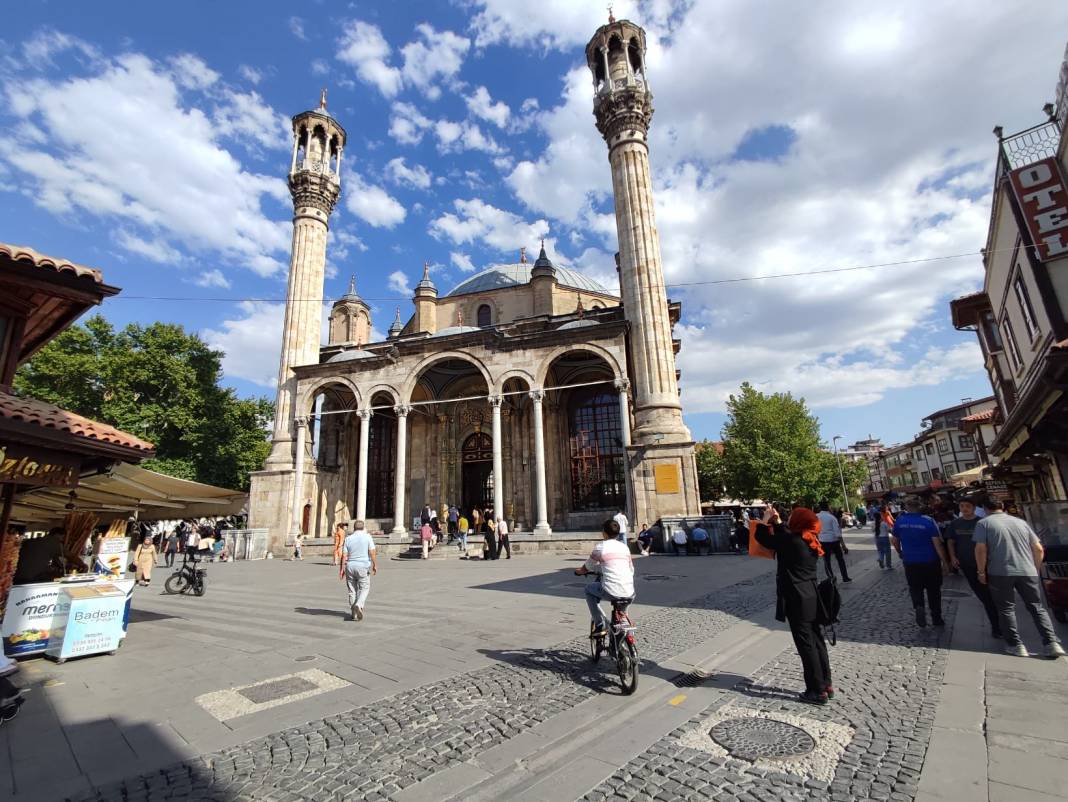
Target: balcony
(1028,146)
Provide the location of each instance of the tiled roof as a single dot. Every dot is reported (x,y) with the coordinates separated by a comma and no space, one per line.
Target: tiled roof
(986,414)
(499,276)
(20,253)
(49,416)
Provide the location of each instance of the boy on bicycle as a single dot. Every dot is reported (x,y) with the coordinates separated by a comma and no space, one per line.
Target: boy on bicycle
(611,559)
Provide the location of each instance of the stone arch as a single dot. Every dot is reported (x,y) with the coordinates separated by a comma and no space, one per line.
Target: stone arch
(308,394)
(596,350)
(383,389)
(426,362)
(514,373)
(472,307)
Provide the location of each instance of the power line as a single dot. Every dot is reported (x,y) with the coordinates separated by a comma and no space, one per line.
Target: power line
(709,282)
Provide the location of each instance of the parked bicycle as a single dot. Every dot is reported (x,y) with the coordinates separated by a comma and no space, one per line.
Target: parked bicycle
(188,578)
(620,643)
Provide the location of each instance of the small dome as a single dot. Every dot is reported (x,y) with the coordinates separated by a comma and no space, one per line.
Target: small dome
(351,354)
(578,324)
(500,276)
(455,330)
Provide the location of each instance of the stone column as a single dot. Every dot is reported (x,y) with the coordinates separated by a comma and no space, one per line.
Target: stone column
(301,425)
(400,525)
(541,526)
(361,481)
(623,387)
(498,476)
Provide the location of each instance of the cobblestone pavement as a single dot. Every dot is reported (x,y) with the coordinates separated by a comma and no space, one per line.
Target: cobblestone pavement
(888,675)
(375,751)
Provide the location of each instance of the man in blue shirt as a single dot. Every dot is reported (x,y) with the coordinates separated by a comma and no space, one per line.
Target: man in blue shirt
(701,540)
(358,565)
(919,544)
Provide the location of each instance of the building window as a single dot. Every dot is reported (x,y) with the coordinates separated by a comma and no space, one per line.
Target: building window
(485,316)
(943,445)
(925,477)
(919,453)
(929,448)
(936,473)
(1025,307)
(381,464)
(951,469)
(1014,349)
(966,441)
(597,474)
(991,333)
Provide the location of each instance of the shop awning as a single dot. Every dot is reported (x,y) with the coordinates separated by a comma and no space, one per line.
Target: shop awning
(127,490)
(971,475)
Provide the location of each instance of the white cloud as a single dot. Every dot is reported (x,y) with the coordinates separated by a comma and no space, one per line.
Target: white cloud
(296,27)
(398,283)
(212,278)
(363,47)
(245,115)
(169,184)
(477,221)
(192,73)
(462,262)
(39,50)
(320,67)
(371,203)
(154,249)
(560,24)
(416,176)
(407,124)
(437,54)
(486,108)
(250,343)
(250,74)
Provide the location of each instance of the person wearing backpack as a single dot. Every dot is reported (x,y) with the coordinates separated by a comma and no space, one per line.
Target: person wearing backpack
(797,551)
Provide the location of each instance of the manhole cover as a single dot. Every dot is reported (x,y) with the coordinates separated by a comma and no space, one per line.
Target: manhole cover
(306,658)
(277,689)
(753,738)
(955,594)
(656,577)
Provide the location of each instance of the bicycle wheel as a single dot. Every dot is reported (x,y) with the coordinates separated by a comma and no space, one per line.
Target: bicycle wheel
(596,648)
(177,582)
(201,586)
(627,666)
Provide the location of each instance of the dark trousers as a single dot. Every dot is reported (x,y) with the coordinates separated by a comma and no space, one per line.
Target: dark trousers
(926,578)
(504,545)
(170,559)
(684,547)
(812,649)
(1003,590)
(982,593)
(491,545)
(834,548)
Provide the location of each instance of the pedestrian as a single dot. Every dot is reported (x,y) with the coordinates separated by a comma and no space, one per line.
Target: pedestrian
(298,546)
(192,540)
(462,530)
(624,525)
(358,565)
(919,545)
(145,560)
(831,541)
(170,548)
(860,515)
(645,540)
(958,536)
(425,514)
(679,542)
(701,540)
(435,524)
(882,532)
(797,551)
(503,543)
(489,528)
(339,539)
(1008,555)
(454,522)
(426,534)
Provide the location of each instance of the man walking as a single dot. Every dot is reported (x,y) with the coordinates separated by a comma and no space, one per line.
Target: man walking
(959,533)
(831,540)
(621,521)
(919,544)
(1008,556)
(454,519)
(171,548)
(357,567)
(502,538)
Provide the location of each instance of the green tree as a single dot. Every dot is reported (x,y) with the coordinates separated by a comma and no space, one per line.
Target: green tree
(772,451)
(709,470)
(162,384)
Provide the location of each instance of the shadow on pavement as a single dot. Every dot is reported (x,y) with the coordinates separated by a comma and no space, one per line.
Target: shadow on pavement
(577,666)
(321,611)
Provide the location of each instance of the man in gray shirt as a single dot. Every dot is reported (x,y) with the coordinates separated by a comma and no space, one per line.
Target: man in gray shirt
(358,565)
(1008,555)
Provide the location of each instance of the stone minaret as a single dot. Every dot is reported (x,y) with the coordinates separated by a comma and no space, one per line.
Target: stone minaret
(315,184)
(623,108)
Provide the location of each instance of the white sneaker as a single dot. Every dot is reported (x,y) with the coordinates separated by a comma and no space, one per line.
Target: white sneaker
(1054,650)
(1019,650)
(359,613)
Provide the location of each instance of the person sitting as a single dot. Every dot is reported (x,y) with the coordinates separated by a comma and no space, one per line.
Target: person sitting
(679,542)
(612,560)
(701,540)
(645,540)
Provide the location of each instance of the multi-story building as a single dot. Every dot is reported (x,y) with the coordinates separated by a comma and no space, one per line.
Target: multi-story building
(869,451)
(1020,313)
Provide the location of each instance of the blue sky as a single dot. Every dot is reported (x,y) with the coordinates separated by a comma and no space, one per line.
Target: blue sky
(150,140)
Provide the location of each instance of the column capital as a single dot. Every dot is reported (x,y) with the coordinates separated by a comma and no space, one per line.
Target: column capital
(300,423)
(365,414)
(537,396)
(622,385)
(402,410)
(495,401)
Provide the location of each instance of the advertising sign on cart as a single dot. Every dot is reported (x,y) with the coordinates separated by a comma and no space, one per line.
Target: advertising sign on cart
(111,553)
(93,623)
(33,611)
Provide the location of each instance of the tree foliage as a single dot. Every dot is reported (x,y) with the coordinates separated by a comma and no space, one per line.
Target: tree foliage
(162,384)
(771,450)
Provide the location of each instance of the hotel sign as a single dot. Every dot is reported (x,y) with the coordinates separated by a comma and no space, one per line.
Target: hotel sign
(37,466)
(1042,193)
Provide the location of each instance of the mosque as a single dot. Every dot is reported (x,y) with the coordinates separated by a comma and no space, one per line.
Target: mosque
(528,388)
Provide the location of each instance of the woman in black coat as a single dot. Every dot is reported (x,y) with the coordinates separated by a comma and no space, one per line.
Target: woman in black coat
(797,551)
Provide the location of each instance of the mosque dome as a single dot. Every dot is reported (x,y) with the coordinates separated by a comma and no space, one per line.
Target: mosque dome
(454,330)
(349,355)
(501,276)
(578,324)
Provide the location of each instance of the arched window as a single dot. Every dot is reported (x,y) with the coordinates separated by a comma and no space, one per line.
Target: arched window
(597,459)
(485,316)
(381,464)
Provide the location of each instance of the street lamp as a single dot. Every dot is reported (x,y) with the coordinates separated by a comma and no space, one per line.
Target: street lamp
(841,476)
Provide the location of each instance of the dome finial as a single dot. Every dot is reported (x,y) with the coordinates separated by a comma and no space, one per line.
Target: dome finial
(322,99)
(523,255)
(611,16)
(352,284)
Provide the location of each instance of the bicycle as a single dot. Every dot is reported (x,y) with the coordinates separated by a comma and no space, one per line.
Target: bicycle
(620,643)
(188,577)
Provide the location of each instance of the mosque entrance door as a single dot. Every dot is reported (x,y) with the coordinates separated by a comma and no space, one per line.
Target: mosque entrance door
(476,488)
